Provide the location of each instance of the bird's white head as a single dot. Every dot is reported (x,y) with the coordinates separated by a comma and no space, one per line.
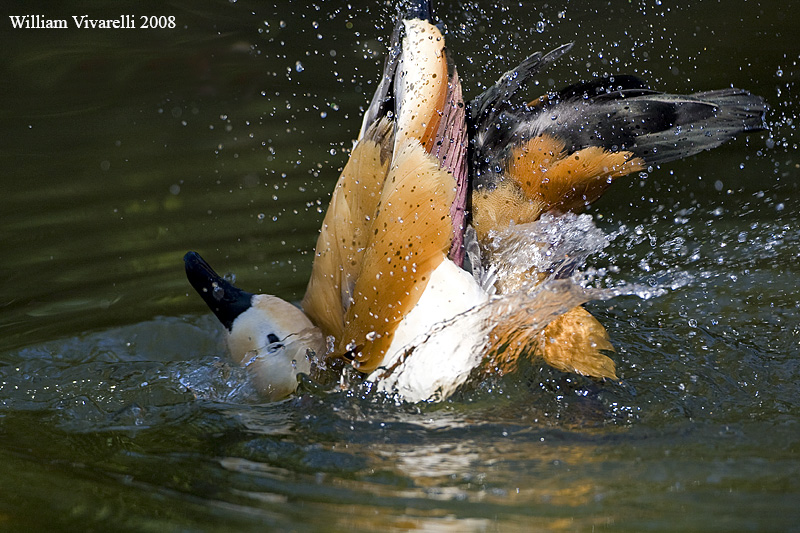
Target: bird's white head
(272,338)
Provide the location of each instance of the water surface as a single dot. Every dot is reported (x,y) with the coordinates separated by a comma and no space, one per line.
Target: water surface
(123,149)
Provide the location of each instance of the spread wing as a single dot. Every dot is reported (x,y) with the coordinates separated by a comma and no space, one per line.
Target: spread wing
(561,151)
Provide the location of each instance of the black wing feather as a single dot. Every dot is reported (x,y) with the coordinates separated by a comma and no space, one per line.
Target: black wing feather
(616,113)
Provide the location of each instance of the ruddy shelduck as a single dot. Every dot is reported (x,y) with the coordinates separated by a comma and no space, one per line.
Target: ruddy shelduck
(432,179)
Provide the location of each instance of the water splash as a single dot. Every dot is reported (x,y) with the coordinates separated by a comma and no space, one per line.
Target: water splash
(555,244)
(543,261)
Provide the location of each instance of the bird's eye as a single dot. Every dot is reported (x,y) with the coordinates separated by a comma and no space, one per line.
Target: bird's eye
(275,343)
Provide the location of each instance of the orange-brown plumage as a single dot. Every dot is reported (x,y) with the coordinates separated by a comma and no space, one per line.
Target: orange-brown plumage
(388,283)
(559,153)
(572,342)
(540,176)
(389,223)
(410,237)
(423,89)
(345,231)
(567,182)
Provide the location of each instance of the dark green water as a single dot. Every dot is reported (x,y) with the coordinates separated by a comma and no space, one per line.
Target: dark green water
(122,149)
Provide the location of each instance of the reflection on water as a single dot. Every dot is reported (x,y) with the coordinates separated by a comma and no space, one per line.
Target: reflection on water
(119,408)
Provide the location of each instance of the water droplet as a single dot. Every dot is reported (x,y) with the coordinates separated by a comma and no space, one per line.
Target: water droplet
(218,292)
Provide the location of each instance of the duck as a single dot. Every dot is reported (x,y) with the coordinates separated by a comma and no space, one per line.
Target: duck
(423,276)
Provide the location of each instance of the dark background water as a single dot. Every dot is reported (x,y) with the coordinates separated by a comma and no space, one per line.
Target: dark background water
(122,149)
